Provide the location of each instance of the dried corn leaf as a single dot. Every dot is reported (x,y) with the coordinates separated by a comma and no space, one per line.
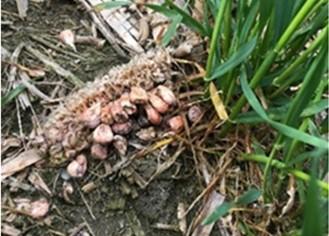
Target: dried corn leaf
(56,67)
(16,184)
(144,30)
(8,143)
(182,223)
(9,230)
(124,23)
(22,6)
(119,22)
(291,192)
(27,82)
(20,162)
(5,54)
(38,182)
(197,11)
(217,101)
(215,199)
(87,188)
(32,72)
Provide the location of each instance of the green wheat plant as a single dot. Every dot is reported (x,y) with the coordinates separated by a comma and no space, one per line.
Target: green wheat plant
(272,46)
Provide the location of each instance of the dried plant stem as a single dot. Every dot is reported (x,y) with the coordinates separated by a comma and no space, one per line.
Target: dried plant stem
(209,187)
(26,81)
(56,67)
(87,205)
(101,26)
(54,47)
(90,40)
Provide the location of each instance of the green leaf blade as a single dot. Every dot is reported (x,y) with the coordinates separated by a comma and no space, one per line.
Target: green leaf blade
(11,95)
(253,101)
(315,108)
(312,214)
(248,197)
(299,135)
(171,31)
(188,20)
(236,59)
(282,128)
(218,213)
(111,4)
(162,9)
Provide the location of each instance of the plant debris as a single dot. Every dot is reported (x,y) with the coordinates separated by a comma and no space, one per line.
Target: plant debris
(95,145)
(20,162)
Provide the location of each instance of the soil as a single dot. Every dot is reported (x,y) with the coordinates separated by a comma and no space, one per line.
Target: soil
(112,211)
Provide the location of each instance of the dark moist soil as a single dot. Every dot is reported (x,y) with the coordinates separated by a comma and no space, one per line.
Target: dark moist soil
(114,212)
